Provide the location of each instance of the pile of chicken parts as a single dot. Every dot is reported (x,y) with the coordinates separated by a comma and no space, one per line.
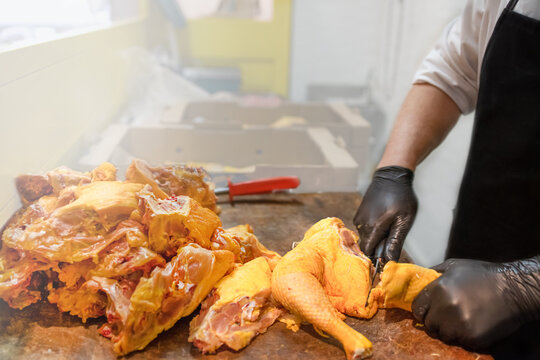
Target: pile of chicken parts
(149,250)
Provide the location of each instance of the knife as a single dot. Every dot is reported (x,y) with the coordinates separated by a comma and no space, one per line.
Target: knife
(378,264)
(259,186)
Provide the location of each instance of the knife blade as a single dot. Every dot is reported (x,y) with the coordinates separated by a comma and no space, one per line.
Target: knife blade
(378,263)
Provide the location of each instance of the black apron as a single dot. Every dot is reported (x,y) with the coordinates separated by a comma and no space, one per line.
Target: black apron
(497,217)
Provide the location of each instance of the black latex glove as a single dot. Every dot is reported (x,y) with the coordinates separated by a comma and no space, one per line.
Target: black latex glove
(387,211)
(475,303)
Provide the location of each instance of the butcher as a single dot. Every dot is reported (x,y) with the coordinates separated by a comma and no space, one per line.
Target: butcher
(488,297)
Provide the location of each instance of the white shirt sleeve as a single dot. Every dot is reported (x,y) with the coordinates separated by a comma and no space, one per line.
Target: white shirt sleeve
(453,64)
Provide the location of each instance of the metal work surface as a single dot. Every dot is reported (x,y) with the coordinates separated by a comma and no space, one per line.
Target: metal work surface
(42,332)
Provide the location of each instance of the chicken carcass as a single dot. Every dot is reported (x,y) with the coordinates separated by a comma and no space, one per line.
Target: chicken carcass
(324,276)
(237,309)
(104,247)
(176,221)
(161,299)
(79,229)
(175,180)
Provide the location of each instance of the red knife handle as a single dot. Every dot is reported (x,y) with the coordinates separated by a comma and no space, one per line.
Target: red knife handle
(262,185)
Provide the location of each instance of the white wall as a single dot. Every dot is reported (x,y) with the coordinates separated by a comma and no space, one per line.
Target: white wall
(333,42)
(407,30)
(382,43)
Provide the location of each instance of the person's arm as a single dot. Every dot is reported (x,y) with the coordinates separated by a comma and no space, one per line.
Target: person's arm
(444,87)
(475,303)
(425,118)
(389,206)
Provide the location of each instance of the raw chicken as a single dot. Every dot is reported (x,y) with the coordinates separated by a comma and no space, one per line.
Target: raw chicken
(16,272)
(175,180)
(160,300)
(104,247)
(84,302)
(324,275)
(32,187)
(237,309)
(176,221)
(244,244)
(400,283)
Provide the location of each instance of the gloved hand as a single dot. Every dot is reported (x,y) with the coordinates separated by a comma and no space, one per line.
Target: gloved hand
(475,303)
(387,211)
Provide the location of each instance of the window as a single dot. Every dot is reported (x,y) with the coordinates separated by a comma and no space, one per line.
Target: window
(25,22)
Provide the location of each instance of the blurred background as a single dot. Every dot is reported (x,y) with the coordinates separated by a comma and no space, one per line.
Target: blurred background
(248,88)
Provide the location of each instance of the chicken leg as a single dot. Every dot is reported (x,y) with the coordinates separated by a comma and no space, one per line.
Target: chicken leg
(324,273)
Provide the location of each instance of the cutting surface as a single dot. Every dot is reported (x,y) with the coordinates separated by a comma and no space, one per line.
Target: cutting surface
(42,332)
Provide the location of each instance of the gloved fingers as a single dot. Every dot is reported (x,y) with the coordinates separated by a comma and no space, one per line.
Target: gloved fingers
(422,303)
(431,324)
(396,237)
(371,236)
(448,334)
(444,266)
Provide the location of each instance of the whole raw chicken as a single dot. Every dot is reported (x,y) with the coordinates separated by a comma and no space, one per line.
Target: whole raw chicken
(327,275)
(323,277)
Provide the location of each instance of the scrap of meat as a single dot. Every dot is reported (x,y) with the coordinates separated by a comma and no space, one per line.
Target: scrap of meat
(73,275)
(104,172)
(324,276)
(63,177)
(78,230)
(164,297)
(85,302)
(33,213)
(109,202)
(175,180)
(176,221)
(401,283)
(16,272)
(119,259)
(244,244)
(32,187)
(238,309)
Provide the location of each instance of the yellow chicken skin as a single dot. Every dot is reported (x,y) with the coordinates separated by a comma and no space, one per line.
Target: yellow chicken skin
(176,221)
(77,230)
(401,283)
(244,245)
(175,180)
(327,275)
(324,273)
(237,309)
(99,246)
(160,300)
